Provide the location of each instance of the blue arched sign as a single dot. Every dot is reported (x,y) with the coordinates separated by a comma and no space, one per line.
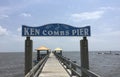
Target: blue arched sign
(56,29)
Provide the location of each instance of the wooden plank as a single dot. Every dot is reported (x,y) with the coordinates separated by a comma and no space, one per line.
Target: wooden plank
(53,68)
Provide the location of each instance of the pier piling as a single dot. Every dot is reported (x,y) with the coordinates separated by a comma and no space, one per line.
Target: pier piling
(84,55)
(28,55)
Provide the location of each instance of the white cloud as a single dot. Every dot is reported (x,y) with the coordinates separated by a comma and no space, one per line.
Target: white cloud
(3,31)
(109,8)
(26,14)
(3,16)
(87,15)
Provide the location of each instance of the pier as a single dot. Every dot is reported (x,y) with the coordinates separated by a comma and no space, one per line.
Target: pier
(56,65)
(53,68)
(53,63)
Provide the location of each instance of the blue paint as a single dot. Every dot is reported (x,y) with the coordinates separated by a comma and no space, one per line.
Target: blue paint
(56,29)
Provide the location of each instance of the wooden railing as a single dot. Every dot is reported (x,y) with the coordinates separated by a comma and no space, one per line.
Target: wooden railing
(72,66)
(34,72)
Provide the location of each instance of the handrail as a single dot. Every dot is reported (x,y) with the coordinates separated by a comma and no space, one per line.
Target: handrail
(69,64)
(37,68)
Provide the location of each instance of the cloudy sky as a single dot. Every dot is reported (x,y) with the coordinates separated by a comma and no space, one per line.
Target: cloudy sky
(102,15)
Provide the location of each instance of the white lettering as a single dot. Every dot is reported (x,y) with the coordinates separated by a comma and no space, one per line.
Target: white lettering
(26,31)
(32,31)
(78,32)
(44,32)
(50,33)
(62,33)
(67,33)
(37,31)
(56,32)
(81,31)
(86,31)
(74,32)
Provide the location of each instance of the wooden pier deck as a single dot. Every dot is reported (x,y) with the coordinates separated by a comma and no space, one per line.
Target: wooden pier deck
(53,68)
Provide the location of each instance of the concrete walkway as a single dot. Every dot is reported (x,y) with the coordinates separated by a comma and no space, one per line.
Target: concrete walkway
(53,68)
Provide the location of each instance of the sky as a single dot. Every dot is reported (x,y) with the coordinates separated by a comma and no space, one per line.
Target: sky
(102,15)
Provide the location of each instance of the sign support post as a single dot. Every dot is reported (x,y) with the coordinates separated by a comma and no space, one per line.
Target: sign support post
(84,55)
(28,55)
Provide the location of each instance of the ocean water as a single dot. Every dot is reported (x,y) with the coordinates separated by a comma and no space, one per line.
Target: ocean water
(106,65)
(11,64)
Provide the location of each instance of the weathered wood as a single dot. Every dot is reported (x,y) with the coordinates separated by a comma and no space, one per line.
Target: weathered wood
(37,68)
(38,55)
(84,55)
(53,68)
(63,61)
(28,55)
(74,68)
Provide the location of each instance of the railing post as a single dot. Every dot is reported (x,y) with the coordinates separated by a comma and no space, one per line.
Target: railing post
(68,63)
(61,52)
(74,68)
(84,55)
(48,52)
(38,55)
(64,60)
(28,55)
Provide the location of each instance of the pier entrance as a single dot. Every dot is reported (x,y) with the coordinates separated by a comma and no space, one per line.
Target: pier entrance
(52,66)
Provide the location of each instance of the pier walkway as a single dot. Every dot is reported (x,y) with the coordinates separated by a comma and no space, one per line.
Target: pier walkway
(53,68)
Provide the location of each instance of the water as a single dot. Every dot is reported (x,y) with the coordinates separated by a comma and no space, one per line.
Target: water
(106,65)
(11,64)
